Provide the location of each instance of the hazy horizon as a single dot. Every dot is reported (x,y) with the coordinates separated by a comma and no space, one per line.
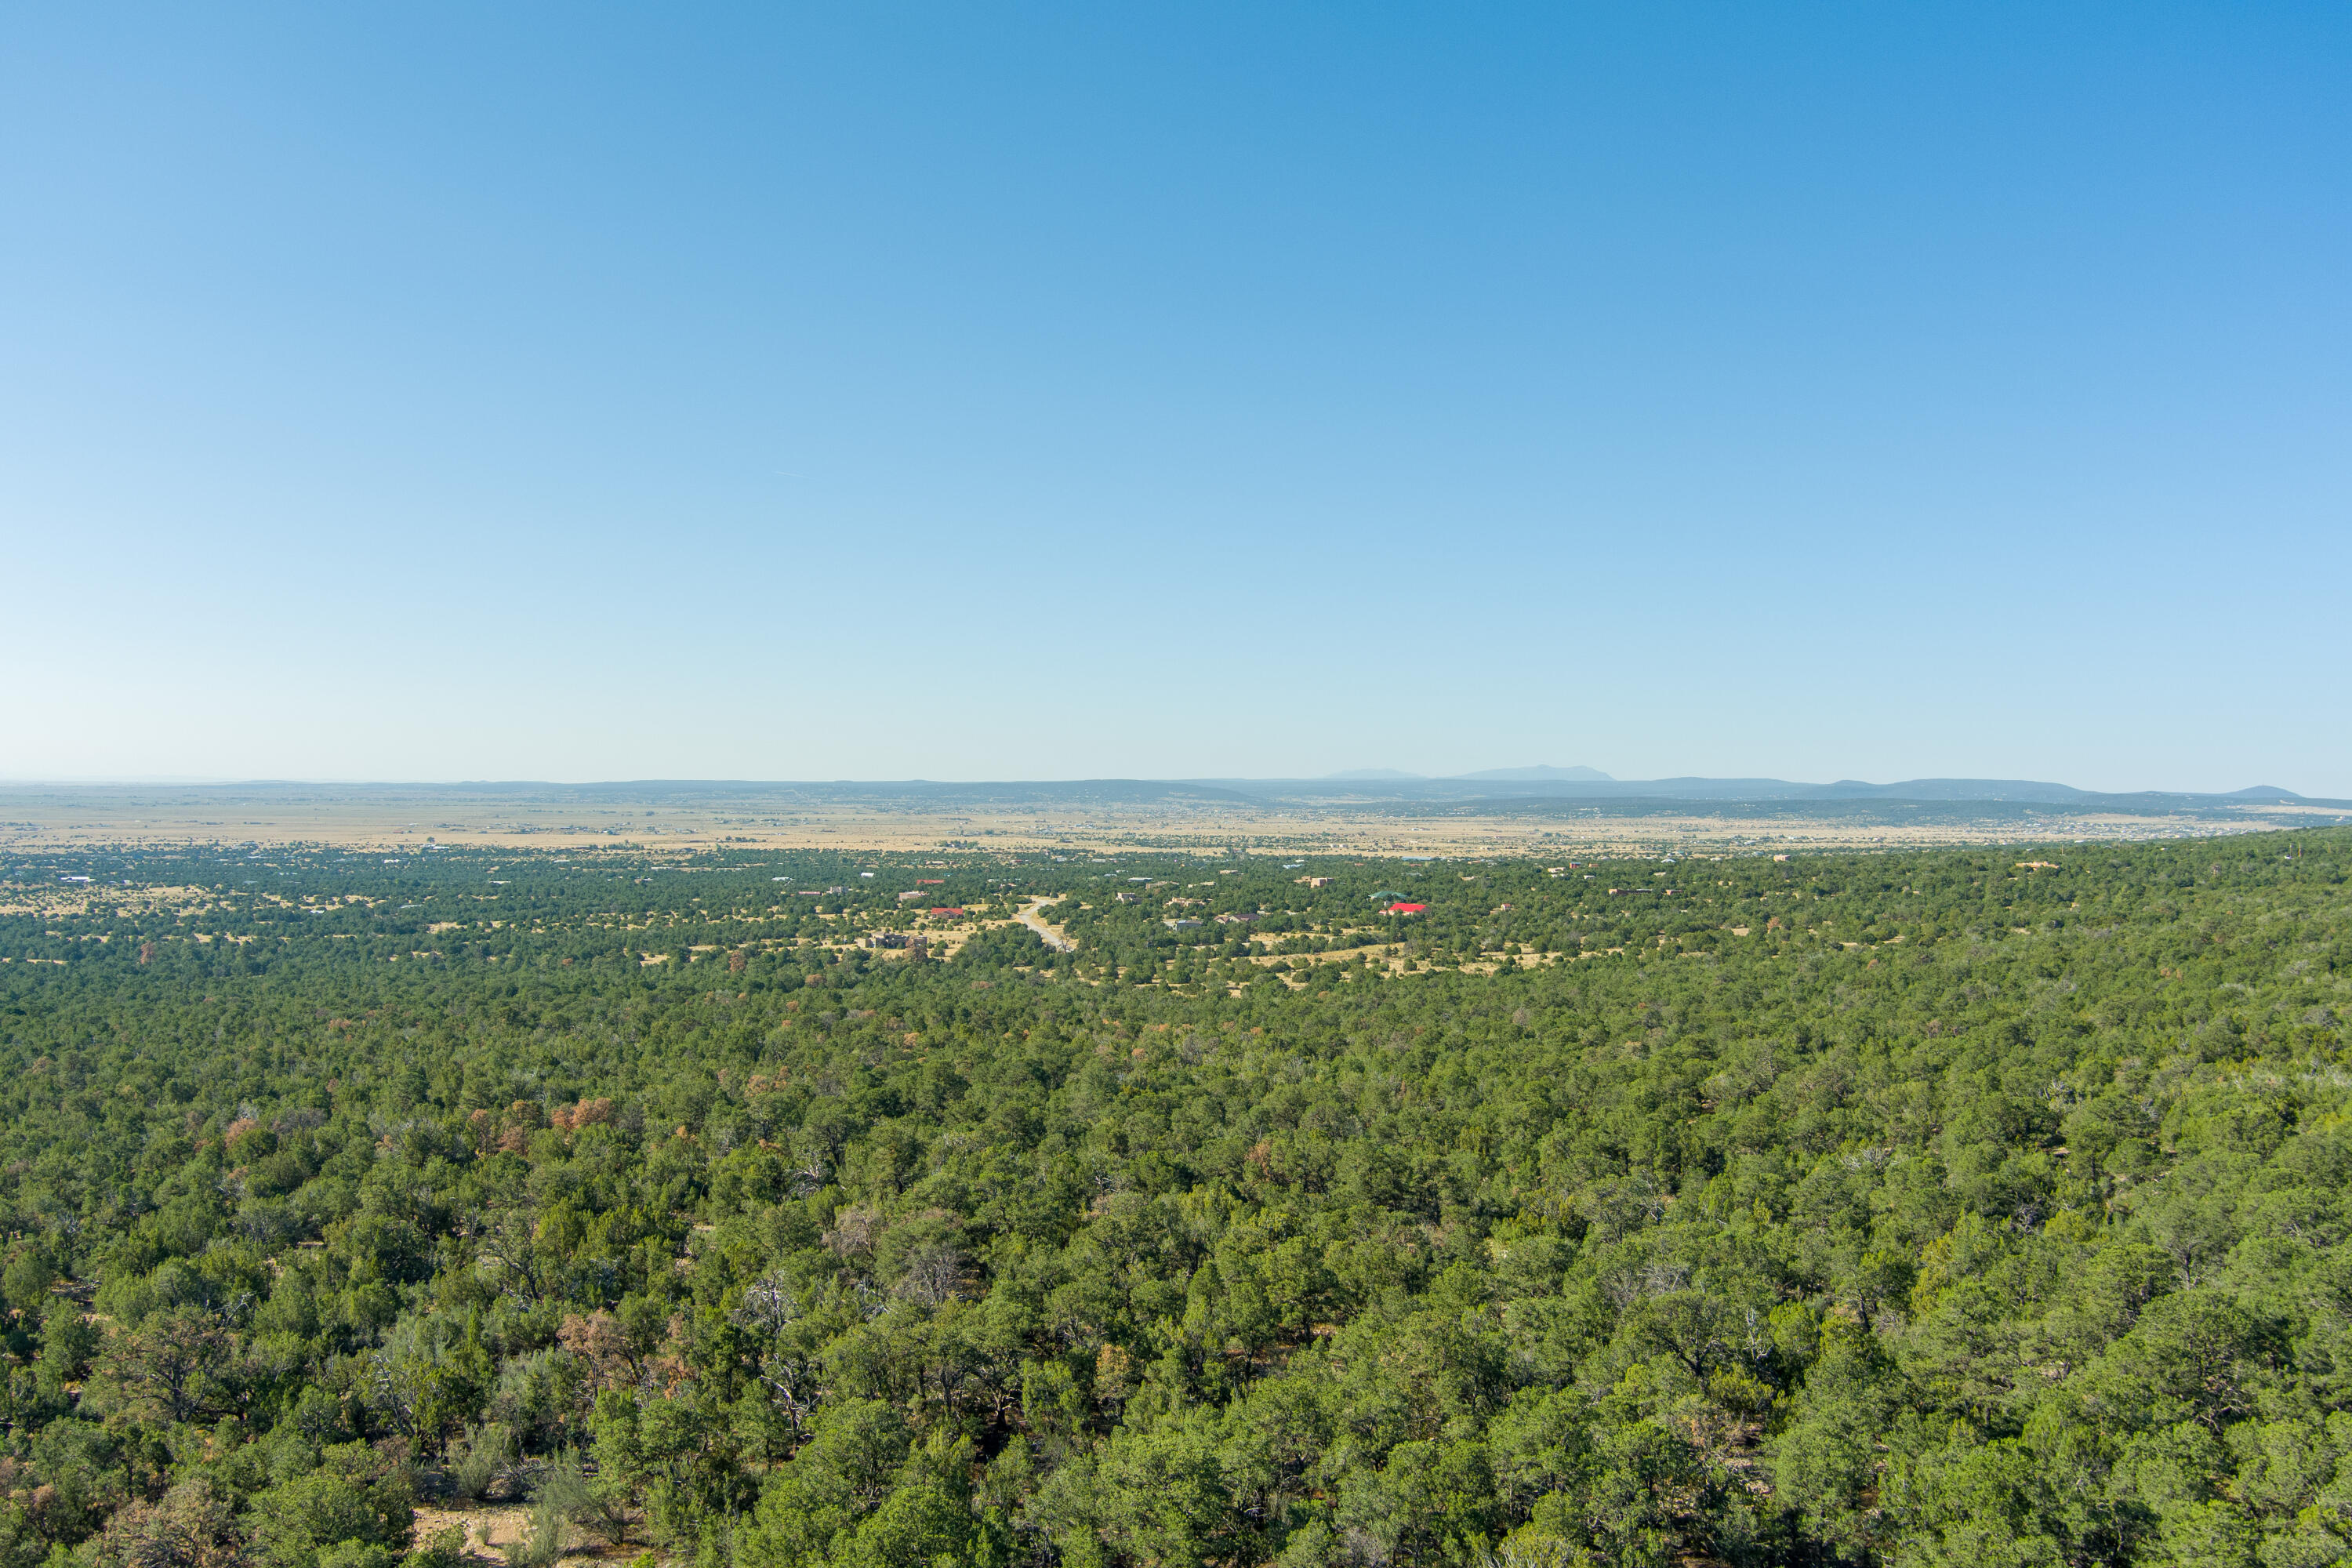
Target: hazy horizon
(1369,776)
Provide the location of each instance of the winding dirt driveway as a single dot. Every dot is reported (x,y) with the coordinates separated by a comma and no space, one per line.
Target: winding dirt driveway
(1051,935)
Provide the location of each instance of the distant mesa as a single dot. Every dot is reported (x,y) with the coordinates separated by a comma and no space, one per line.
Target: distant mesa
(1543,771)
(1592,785)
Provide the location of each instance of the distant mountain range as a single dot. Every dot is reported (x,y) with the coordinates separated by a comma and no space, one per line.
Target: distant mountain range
(1541,771)
(1591,784)
(1541,789)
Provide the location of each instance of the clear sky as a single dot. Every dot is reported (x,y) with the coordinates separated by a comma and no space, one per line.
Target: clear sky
(434,391)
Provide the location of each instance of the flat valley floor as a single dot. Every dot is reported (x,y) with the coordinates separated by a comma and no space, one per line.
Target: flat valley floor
(687,818)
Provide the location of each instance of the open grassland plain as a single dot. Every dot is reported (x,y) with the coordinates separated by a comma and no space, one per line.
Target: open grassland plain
(779,1207)
(1104,814)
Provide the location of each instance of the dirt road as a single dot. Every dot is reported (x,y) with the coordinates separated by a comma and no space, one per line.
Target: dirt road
(1052,934)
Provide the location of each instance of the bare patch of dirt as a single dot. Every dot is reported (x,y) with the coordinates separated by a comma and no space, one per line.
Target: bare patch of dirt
(492,1526)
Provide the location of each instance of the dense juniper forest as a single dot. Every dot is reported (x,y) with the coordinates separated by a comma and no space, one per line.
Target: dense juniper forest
(1977,1207)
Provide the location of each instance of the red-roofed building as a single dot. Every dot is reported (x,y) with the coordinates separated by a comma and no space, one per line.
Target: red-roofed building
(1406,908)
(946,911)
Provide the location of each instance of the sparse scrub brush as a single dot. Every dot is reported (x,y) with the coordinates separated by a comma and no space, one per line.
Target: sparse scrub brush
(563,1496)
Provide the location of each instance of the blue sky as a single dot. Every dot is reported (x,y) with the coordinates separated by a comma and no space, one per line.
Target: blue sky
(576,391)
